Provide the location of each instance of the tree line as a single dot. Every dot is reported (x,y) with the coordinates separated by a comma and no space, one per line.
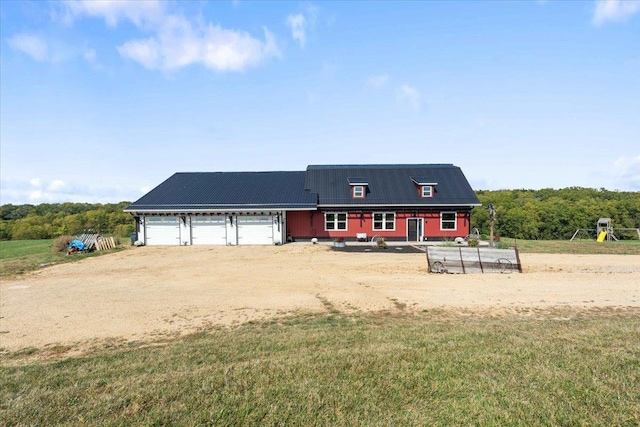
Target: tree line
(523,214)
(550,214)
(49,220)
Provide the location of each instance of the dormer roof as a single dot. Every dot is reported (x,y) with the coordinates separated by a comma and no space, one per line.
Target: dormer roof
(421,180)
(357,181)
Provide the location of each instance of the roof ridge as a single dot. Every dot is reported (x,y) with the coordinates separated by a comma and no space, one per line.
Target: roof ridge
(382,166)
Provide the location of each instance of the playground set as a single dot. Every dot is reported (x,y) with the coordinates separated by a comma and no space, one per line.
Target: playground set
(605,230)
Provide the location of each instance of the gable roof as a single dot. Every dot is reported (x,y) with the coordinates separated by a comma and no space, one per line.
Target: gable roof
(390,185)
(319,186)
(227,191)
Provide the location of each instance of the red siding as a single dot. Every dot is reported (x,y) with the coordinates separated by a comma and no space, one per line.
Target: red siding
(305,225)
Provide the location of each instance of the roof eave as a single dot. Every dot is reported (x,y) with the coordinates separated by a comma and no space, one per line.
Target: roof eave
(413,205)
(219,210)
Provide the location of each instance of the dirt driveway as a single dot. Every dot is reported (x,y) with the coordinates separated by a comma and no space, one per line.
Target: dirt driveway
(144,293)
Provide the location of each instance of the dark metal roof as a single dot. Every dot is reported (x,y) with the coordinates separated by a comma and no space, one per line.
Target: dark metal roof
(423,180)
(320,185)
(230,191)
(390,185)
(357,181)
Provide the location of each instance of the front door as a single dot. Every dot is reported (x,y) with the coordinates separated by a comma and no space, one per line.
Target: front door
(414,229)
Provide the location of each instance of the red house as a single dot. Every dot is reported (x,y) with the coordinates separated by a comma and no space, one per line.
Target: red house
(397,202)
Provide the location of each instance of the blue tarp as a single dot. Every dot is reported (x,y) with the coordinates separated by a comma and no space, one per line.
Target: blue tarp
(77,244)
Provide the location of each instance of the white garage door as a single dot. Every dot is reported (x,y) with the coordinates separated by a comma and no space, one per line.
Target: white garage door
(255,230)
(209,230)
(162,230)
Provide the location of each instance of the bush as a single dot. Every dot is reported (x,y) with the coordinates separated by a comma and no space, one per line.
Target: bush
(60,244)
(123,230)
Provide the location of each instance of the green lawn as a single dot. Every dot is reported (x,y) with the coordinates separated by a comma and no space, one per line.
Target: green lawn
(21,256)
(623,247)
(332,370)
(20,248)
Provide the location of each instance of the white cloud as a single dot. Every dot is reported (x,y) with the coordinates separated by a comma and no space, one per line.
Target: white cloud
(35,196)
(175,41)
(626,173)
(178,45)
(311,13)
(56,184)
(298,25)
(410,95)
(57,191)
(225,50)
(52,49)
(32,45)
(146,52)
(145,189)
(303,23)
(378,81)
(114,11)
(614,10)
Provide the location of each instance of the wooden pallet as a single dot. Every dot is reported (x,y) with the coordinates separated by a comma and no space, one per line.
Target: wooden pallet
(97,242)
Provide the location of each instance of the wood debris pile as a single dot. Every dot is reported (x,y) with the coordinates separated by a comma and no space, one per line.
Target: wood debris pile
(97,242)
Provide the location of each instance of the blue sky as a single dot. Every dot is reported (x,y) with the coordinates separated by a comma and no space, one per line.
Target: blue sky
(100,101)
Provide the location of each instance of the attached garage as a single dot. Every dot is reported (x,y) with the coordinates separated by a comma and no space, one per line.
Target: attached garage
(209,230)
(162,230)
(255,230)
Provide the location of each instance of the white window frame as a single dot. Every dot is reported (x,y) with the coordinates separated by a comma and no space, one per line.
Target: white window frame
(358,191)
(383,220)
(427,191)
(443,221)
(336,221)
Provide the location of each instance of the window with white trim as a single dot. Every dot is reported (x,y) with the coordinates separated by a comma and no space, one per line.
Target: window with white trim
(384,221)
(335,221)
(448,220)
(358,191)
(427,191)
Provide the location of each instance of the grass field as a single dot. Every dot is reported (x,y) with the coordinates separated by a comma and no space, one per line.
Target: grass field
(333,370)
(20,248)
(623,247)
(21,256)
(556,367)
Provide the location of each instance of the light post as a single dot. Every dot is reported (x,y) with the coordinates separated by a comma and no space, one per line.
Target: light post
(492,217)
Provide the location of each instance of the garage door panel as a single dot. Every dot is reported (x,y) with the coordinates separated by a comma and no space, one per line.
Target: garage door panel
(163,230)
(209,230)
(255,230)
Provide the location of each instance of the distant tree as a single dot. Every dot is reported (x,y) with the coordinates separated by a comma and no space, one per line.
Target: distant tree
(50,220)
(555,214)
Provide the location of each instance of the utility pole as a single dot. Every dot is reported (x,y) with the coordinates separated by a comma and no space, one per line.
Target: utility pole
(492,217)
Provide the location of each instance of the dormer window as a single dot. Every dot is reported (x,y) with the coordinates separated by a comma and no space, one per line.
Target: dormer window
(425,186)
(358,187)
